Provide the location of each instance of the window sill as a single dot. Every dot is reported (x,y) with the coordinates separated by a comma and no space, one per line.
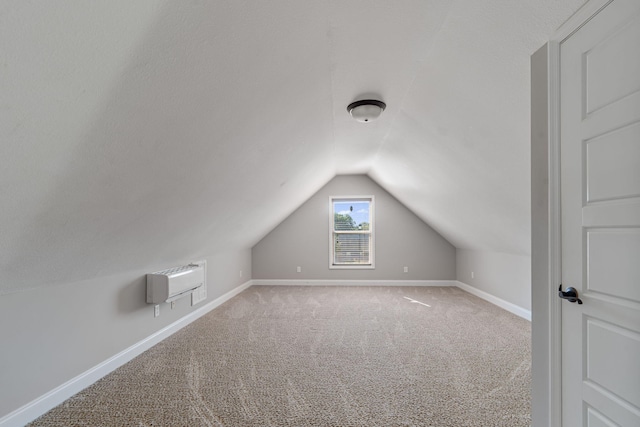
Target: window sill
(352,267)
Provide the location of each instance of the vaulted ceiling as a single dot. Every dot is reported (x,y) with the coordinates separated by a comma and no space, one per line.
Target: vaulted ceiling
(138,133)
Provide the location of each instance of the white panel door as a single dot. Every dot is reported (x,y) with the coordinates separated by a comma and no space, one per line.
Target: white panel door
(600,187)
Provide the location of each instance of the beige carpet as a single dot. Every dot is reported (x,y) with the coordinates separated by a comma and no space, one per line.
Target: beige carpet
(324,356)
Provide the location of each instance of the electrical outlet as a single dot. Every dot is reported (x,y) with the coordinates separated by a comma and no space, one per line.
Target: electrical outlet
(473,275)
(240,273)
(200,294)
(173,304)
(156,311)
(299,269)
(196,296)
(406,269)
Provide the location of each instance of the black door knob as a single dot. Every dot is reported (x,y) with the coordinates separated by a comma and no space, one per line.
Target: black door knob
(570,294)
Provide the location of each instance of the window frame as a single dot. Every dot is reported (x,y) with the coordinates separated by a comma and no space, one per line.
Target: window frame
(371,232)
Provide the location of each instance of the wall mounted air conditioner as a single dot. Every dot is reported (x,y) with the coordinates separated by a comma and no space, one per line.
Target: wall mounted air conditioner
(171,284)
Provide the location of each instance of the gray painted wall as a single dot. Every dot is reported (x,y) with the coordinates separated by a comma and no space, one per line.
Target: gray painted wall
(506,276)
(401,239)
(53,333)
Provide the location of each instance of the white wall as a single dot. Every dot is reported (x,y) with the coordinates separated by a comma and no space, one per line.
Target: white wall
(401,239)
(51,334)
(505,276)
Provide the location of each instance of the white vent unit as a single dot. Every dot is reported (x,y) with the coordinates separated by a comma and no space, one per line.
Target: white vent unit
(171,284)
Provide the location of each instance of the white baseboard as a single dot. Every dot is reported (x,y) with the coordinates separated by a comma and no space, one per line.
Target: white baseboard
(296,282)
(48,401)
(515,309)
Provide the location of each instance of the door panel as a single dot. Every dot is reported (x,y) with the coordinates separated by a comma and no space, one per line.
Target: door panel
(615,151)
(600,192)
(604,83)
(596,419)
(614,262)
(609,347)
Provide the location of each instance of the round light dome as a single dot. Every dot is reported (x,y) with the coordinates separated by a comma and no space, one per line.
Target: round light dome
(366,110)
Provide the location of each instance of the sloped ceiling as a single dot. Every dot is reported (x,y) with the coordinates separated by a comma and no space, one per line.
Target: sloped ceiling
(135,134)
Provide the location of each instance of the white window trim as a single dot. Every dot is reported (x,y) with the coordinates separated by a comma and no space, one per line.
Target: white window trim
(372,233)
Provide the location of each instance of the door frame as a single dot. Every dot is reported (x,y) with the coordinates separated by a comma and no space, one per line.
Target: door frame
(546,405)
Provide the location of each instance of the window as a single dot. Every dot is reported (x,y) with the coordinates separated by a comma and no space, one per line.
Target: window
(351,232)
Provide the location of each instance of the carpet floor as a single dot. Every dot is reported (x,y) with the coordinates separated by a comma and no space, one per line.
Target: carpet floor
(324,356)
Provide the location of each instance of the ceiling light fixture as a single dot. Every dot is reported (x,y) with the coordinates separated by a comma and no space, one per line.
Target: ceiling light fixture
(366,110)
